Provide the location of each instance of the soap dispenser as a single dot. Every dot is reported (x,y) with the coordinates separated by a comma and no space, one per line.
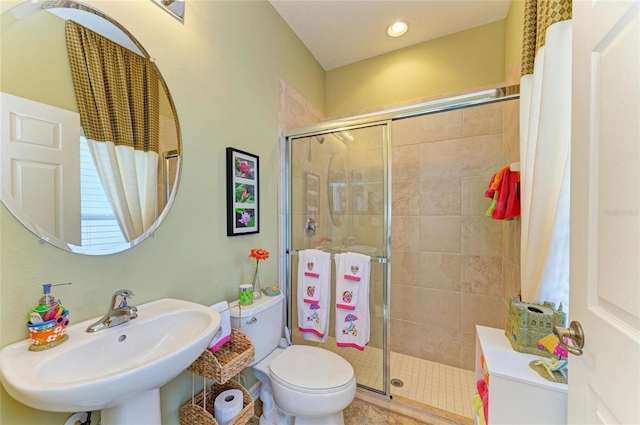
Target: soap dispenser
(48,320)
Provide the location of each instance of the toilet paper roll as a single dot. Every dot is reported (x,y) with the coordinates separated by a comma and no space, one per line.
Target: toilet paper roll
(227,406)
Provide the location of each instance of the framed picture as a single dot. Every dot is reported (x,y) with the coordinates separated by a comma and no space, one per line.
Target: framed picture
(243,194)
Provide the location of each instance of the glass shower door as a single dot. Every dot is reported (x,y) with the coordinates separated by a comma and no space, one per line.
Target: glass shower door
(338,202)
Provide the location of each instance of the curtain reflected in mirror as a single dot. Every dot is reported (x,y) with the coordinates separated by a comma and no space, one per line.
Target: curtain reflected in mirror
(117,95)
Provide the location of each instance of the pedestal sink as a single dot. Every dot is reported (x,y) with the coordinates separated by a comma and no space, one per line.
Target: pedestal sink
(118,370)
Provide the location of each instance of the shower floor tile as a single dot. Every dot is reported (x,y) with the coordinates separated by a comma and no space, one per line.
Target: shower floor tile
(443,387)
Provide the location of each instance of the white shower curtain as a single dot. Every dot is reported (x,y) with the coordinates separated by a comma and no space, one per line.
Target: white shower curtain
(545,136)
(129,178)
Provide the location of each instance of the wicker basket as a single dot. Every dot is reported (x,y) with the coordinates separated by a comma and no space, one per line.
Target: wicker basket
(199,411)
(227,361)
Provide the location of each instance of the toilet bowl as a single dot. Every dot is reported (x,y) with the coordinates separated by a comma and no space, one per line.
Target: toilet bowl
(300,384)
(309,383)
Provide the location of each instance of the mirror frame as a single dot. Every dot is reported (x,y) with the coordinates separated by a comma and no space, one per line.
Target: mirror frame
(5,194)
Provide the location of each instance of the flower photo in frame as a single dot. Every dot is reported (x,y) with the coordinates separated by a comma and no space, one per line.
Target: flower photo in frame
(243,207)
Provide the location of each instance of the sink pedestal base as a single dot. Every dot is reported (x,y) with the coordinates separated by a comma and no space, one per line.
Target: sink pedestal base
(142,408)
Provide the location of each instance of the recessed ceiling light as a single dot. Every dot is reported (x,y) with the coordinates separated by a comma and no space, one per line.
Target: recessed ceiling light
(397,28)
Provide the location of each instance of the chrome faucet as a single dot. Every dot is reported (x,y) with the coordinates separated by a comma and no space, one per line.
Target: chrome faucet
(119,312)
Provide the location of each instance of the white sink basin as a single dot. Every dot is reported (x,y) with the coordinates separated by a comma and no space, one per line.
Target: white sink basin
(112,369)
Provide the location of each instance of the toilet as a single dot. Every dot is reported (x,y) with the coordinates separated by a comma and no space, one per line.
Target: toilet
(300,384)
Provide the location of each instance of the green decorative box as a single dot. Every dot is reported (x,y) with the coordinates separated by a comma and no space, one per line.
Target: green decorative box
(529,323)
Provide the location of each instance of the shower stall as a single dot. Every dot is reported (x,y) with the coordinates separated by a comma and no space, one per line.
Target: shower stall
(406,188)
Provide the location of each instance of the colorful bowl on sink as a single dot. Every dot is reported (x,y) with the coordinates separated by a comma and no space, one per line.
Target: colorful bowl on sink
(50,331)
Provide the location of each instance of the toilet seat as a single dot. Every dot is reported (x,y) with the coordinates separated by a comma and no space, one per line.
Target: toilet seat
(311,370)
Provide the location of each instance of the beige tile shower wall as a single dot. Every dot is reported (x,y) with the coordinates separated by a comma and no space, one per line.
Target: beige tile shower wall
(511,229)
(448,258)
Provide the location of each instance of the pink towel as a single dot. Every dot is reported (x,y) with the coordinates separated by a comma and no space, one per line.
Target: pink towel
(503,195)
(483,392)
(513,198)
(508,205)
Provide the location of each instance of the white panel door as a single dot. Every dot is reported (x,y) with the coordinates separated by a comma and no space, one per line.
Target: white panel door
(604,385)
(40,166)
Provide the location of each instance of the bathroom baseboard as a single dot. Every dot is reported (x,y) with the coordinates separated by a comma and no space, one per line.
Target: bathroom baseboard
(255,391)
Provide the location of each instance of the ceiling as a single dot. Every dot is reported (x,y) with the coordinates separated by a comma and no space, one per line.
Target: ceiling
(342,32)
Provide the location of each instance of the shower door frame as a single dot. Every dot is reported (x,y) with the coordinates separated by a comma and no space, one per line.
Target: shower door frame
(385,118)
(384,259)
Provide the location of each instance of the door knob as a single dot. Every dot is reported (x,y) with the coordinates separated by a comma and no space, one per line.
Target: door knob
(573,333)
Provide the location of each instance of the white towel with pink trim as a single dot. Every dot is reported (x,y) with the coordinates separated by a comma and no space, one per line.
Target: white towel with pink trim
(316,267)
(352,274)
(352,300)
(314,295)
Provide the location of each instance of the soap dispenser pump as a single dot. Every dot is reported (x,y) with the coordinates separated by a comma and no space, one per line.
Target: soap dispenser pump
(48,302)
(47,298)
(48,308)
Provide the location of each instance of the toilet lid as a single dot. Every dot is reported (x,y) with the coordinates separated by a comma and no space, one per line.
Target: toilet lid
(311,368)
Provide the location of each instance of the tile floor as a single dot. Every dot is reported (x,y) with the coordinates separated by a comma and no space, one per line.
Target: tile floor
(443,387)
(365,411)
(360,412)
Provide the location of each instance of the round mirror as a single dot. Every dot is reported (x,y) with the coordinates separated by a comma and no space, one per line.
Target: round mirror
(90,149)
(338,187)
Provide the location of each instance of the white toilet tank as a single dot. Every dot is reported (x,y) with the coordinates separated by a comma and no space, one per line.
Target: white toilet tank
(261,322)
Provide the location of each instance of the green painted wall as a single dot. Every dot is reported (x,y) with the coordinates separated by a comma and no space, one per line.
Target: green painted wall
(221,67)
(513,34)
(460,61)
